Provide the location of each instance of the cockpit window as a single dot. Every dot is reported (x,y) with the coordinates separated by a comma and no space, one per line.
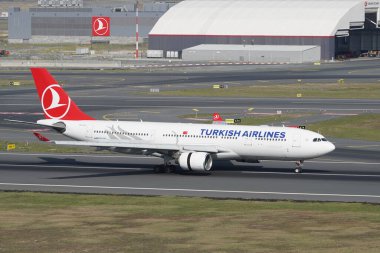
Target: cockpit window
(319,139)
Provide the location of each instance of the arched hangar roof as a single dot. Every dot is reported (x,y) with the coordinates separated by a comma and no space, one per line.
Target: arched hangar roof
(261,18)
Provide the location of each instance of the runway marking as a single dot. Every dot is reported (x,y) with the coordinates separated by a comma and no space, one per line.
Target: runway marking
(310,174)
(363,146)
(78,155)
(153,112)
(344,102)
(238,83)
(343,162)
(21,113)
(339,114)
(25,130)
(232,107)
(177,99)
(195,190)
(39,130)
(67,167)
(210,107)
(327,162)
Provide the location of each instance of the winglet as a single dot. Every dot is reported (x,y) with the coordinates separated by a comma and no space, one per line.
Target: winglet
(41,137)
(55,102)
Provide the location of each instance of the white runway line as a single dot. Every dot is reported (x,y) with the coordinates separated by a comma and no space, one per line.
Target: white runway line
(209,107)
(310,174)
(344,162)
(326,162)
(71,167)
(141,169)
(195,190)
(78,155)
(363,146)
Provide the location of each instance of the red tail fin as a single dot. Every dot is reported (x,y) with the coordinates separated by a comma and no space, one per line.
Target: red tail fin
(54,100)
(216,117)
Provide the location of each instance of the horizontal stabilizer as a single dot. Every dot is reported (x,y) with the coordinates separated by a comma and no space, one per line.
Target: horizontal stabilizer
(21,122)
(41,137)
(55,126)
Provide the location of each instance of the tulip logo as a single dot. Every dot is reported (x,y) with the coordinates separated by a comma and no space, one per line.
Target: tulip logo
(100,26)
(55,102)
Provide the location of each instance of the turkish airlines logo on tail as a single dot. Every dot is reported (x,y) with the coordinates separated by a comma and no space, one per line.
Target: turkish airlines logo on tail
(216,117)
(55,102)
(100,26)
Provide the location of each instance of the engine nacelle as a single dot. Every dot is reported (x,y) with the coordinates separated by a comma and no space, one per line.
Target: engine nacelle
(195,161)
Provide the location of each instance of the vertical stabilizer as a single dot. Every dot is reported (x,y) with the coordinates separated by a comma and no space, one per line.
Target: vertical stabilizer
(217,119)
(55,102)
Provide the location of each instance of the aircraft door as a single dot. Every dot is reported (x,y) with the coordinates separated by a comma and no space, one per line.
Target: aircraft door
(247,142)
(88,132)
(297,139)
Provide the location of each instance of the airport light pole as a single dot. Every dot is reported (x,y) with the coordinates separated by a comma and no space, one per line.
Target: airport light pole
(137,31)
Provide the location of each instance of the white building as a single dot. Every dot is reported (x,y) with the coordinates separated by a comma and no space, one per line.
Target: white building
(336,26)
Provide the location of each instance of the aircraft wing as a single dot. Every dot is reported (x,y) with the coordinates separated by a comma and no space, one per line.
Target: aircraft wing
(158,147)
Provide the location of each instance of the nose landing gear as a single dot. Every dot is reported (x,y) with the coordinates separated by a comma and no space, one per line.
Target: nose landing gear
(299,165)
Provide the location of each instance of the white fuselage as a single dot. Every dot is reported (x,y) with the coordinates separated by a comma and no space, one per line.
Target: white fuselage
(237,142)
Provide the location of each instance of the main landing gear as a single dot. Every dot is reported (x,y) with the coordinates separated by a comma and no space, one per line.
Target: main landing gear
(168,166)
(298,168)
(164,168)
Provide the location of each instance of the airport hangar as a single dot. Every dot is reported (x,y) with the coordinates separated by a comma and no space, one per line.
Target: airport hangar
(253,30)
(60,23)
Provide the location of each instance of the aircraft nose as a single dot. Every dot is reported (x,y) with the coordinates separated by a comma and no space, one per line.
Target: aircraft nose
(330,147)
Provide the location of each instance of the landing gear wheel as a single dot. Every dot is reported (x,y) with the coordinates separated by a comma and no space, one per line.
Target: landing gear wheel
(298,169)
(170,169)
(159,169)
(164,169)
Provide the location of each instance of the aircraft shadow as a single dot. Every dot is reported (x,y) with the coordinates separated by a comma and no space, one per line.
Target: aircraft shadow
(129,169)
(228,166)
(109,174)
(73,161)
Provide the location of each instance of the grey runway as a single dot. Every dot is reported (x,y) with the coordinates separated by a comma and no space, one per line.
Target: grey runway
(101,91)
(339,177)
(358,70)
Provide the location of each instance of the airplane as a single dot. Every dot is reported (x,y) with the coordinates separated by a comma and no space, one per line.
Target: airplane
(193,147)
(217,119)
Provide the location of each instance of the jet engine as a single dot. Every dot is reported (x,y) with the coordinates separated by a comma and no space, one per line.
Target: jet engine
(195,161)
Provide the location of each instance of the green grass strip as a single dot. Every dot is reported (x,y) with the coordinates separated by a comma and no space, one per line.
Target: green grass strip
(361,127)
(308,90)
(40,147)
(41,222)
